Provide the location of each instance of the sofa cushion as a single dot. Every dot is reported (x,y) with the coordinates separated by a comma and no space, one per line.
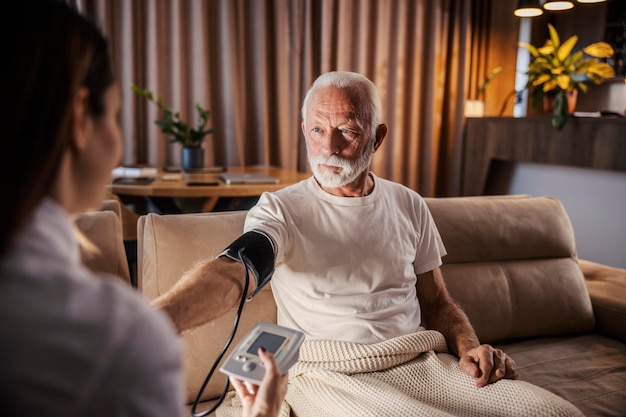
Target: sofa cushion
(512,266)
(168,246)
(589,370)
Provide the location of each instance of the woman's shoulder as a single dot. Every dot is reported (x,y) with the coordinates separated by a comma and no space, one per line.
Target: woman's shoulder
(96,311)
(101,340)
(129,313)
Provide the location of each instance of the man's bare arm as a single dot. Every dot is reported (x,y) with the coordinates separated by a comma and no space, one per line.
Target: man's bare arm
(204,293)
(482,362)
(441,313)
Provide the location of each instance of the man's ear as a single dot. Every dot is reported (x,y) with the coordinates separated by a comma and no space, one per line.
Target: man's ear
(381,132)
(81,122)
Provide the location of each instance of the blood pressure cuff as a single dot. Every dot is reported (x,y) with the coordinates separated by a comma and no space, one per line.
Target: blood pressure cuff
(257,251)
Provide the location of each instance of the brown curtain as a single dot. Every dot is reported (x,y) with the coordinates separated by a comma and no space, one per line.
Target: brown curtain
(251,61)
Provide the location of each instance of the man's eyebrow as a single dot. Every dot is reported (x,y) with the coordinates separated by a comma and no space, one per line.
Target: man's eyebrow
(351,122)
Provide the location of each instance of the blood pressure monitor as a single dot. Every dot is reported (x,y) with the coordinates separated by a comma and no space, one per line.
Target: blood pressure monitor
(244,362)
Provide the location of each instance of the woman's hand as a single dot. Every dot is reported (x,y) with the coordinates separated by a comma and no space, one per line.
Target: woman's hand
(263,400)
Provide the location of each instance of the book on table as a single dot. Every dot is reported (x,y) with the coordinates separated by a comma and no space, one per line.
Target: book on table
(134,172)
(247,178)
(133,175)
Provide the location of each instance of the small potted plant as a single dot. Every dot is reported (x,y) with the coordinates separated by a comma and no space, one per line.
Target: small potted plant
(556,74)
(476,107)
(190,138)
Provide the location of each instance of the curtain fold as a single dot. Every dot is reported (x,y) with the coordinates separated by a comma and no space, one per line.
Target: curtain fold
(251,62)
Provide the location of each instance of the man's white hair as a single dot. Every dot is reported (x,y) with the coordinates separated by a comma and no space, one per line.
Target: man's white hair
(362,92)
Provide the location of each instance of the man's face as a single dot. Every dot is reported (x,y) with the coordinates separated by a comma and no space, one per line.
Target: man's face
(339,146)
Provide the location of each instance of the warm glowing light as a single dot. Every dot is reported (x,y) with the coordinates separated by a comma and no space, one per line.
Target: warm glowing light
(528,8)
(558,5)
(590,1)
(528,12)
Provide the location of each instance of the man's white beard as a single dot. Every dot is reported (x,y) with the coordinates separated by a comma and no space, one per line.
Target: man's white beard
(349,172)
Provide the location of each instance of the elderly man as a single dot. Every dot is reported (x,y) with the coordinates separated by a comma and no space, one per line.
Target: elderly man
(356,262)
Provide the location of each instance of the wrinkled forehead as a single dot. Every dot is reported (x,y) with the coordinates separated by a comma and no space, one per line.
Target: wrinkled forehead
(333,102)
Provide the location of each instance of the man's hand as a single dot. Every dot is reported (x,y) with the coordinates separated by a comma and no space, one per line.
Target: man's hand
(264,400)
(487,365)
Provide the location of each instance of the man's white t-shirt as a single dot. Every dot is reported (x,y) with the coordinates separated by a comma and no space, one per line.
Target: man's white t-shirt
(346,266)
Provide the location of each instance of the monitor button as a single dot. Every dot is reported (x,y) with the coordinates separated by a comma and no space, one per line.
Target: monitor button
(249,366)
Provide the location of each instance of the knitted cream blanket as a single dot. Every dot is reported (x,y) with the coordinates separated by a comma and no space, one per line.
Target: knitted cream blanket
(406,376)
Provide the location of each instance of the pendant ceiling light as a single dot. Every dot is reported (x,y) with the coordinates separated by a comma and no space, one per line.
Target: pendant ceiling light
(528,8)
(557,4)
(532,8)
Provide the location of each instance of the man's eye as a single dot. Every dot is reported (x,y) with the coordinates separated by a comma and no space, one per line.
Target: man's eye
(316,130)
(349,133)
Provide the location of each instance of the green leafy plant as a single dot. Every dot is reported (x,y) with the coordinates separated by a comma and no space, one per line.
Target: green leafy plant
(480,91)
(555,70)
(173,126)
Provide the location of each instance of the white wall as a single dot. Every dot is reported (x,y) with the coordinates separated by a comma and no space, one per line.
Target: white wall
(594,199)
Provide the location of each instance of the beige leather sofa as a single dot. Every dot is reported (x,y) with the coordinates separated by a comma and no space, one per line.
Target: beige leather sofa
(511,265)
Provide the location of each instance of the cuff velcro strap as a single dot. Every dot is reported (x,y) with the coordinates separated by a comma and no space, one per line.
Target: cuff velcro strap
(257,251)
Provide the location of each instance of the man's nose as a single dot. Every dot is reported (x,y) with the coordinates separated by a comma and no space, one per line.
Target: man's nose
(332,142)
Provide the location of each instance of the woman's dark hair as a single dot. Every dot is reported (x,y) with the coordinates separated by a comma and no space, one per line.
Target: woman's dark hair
(51,52)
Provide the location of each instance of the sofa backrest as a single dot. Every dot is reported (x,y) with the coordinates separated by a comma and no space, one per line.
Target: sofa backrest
(167,247)
(512,266)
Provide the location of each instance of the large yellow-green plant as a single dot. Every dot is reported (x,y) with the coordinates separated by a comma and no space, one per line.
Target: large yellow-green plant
(554,69)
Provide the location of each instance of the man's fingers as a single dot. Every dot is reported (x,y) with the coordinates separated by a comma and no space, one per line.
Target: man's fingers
(511,368)
(485,359)
(487,365)
(469,367)
(504,367)
(499,366)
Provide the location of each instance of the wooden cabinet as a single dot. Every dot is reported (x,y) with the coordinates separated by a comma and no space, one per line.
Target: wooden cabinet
(583,142)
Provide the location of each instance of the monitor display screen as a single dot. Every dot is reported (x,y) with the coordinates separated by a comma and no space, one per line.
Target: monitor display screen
(271,342)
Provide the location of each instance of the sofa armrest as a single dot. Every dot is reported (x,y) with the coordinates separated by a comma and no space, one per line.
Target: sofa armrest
(167,247)
(607,289)
(102,247)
